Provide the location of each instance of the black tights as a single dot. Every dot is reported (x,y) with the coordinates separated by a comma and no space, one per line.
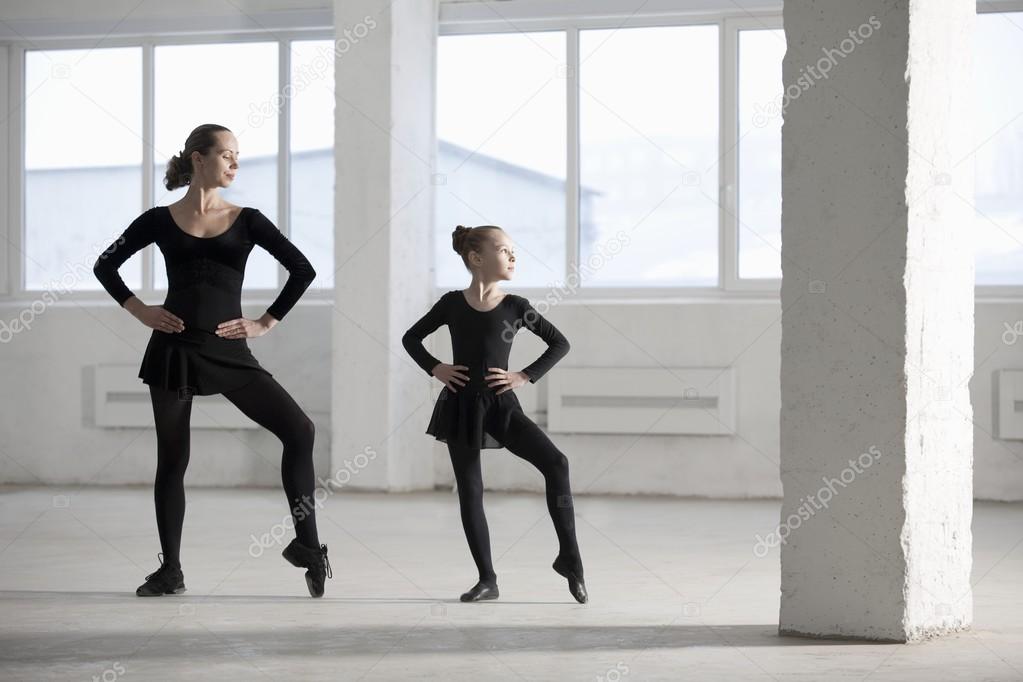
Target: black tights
(265,402)
(528,441)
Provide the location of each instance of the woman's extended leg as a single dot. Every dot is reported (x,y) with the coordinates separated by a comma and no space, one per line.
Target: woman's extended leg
(465,461)
(525,439)
(267,403)
(172,415)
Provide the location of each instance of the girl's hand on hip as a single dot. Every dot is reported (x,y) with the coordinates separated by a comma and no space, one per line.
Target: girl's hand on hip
(241,328)
(508,380)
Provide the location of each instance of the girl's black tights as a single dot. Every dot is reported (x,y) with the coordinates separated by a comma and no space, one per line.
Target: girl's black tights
(528,441)
(265,402)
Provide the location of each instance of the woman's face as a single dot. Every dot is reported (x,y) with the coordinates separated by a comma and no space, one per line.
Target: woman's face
(220,165)
(497,259)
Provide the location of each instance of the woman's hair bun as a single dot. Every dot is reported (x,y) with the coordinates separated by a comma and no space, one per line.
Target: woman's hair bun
(179,171)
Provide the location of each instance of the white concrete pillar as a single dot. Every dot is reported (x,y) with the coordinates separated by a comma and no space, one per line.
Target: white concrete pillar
(384,89)
(877,324)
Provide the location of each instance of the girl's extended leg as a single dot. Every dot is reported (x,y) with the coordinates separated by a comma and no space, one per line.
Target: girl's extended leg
(265,402)
(172,415)
(528,441)
(465,461)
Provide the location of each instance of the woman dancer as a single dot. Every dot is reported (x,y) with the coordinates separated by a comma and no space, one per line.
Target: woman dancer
(198,342)
(477,408)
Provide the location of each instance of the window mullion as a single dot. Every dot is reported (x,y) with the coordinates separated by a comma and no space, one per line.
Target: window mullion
(729,78)
(284,146)
(572,218)
(148,172)
(7,166)
(16,167)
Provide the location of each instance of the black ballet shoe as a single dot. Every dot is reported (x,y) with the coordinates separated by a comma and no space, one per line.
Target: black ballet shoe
(575,581)
(315,560)
(481,591)
(165,580)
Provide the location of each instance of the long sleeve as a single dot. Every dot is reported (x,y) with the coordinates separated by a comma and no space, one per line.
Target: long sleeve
(557,344)
(137,235)
(412,340)
(300,270)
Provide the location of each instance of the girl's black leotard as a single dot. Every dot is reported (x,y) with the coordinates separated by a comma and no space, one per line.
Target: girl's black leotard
(204,276)
(474,413)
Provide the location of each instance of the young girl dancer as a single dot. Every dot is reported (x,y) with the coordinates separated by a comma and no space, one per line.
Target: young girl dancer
(477,408)
(198,342)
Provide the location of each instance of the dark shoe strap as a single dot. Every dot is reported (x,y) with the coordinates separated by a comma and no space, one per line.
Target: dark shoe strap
(326,561)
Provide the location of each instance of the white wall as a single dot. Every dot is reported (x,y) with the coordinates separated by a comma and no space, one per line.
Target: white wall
(48,436)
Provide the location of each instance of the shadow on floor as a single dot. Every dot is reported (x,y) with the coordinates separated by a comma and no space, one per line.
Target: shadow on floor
(202,631)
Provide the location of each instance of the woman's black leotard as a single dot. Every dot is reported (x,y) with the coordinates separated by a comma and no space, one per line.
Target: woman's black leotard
(204,277)
(474,415)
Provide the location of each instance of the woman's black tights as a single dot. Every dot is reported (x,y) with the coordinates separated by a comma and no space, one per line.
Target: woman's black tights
(265,402)
(524,439)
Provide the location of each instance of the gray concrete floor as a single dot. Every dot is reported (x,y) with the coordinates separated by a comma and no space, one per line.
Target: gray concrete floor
(677,593)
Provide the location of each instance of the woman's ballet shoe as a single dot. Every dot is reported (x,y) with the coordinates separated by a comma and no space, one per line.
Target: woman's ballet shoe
(481,591)
(315,560)
(575,581)
(164,580)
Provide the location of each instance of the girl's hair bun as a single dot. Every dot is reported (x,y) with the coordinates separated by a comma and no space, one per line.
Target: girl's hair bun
(458,237)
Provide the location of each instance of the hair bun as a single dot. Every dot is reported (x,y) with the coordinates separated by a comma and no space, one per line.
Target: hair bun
(458,237)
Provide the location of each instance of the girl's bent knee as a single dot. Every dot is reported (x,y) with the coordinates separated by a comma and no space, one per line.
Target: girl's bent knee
(301,435)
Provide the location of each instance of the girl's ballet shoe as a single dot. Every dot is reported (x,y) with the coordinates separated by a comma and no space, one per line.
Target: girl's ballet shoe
(481,591)
(164,580)
(575,582)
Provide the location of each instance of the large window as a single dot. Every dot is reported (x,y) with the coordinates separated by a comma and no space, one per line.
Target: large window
(644,155)
(503,120)
(501,130)
(998,156)
(568,132)
(648,150)
(83,162)
(312,154)
(759,153)
(85,114)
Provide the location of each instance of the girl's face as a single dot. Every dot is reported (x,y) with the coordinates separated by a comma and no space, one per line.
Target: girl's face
(497,260)
(218,167)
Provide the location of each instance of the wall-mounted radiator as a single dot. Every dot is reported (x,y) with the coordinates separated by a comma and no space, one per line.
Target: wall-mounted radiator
(673,401)
(1010,404)
(122,400)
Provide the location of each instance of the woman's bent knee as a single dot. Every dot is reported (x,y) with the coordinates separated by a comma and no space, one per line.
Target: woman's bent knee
(559,465)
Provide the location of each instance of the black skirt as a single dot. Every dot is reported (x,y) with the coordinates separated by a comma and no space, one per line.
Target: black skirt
(473,418)
(198,361)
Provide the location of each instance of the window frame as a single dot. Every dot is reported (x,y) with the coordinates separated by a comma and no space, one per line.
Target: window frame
(12,284)
(571,26)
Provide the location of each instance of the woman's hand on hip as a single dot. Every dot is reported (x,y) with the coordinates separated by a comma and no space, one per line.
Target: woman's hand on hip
(507,380)
(159,318)
(450,375)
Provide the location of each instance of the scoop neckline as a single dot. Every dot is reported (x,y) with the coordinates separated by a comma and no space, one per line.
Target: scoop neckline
(177,227)
(461,295)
